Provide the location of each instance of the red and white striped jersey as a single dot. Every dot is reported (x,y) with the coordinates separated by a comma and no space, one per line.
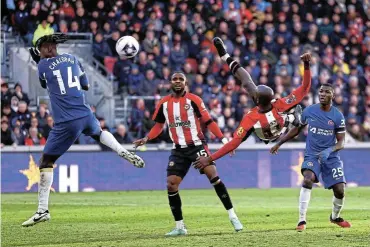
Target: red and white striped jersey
(182,117)
(269,125)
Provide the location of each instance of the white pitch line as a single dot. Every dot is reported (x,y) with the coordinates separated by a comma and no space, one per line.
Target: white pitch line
(165,204)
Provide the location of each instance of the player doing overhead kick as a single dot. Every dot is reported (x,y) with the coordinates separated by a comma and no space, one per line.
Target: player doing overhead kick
(269,118)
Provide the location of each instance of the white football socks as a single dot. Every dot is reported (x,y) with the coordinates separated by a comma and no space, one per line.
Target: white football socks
(232,213)
(180,224)
(304,200)
(337,207)
(108,139)
(46,180)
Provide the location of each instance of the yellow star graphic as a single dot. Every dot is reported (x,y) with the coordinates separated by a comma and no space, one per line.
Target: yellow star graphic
(297,170)
(33,174)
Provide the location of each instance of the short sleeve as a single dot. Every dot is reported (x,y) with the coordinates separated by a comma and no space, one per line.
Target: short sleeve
(41,71)
(158,115)
(199,107)
(82,70)
(305,116)
(340,123)
(245,128)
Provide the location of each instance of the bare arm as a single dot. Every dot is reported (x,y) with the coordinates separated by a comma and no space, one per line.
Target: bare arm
(291,134)
(340,141)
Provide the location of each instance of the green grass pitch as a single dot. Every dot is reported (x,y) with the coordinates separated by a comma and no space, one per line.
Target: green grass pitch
(141,218)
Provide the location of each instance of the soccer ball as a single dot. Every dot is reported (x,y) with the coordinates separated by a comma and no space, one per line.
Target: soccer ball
(127,46)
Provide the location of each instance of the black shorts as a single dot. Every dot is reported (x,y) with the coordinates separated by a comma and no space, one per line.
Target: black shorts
(181,159)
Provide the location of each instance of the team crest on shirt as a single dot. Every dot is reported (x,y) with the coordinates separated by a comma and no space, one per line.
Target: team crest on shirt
(331,122)
(187,106)
(171,163)
(240,131)
(290,99)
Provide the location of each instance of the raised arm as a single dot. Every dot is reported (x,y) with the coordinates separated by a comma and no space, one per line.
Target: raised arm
(299,93)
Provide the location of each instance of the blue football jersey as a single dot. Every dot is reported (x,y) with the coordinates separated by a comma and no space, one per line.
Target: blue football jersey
(322,128)
(62,75)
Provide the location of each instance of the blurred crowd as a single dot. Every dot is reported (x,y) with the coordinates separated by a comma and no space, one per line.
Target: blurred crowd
(265,36)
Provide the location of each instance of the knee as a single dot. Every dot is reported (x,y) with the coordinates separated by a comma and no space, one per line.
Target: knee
(308,182)
(172,185)
(47,161)
(339,193)
(45,164)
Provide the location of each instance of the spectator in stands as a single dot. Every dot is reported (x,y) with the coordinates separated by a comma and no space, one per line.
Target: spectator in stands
(6,134)
(51,21)
(121,70)
(101,48)
(7,111)
(147,122)
(18,92)
(6,95)
(177,57)
(149,85)
(35,124)
(122,136)
(23,115)
(63,27)
(112,42)
(134,80)
(67,10)
(150,42)
(82,19)
(42,115)
(136,118)
(18,136)
(21,17)
(34,137)
(49,125)
(42,29)
(48,7)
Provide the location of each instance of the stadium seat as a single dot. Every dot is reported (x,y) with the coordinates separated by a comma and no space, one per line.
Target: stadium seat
(109,63)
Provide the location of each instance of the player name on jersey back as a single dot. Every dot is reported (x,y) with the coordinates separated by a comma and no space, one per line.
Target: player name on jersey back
(61,59)
(62,76)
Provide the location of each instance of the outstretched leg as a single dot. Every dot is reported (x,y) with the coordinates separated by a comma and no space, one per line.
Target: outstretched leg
(239,72)
(108,139)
